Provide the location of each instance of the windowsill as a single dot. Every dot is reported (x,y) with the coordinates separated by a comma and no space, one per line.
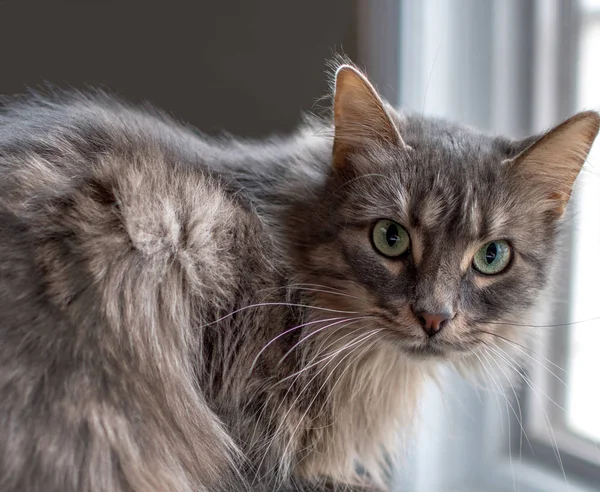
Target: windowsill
(529,477)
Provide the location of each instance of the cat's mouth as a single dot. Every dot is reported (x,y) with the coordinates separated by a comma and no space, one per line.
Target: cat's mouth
(410,339)
(435,348)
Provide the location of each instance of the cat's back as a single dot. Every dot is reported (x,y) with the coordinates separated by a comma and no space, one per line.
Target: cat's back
(72,135)
(112,178)
(99,189)
(117,244)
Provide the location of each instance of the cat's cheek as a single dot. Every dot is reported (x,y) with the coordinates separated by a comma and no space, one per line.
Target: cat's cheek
(326,257)
(483,282)
(370,267)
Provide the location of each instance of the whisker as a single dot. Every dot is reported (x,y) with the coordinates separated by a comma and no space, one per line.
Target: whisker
(332,372)
(343,294)
(525,347)
(280,427)
(521,348)
(289,331)
(316,355)
(546,418)
(351,321)
(329,356)
(527,325)
(520,416)
(289,304)
(321,286)
(364,350)
(493,380)
(508,418)
(514,365)
(327,289)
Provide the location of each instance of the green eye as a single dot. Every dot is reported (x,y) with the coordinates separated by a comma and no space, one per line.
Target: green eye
(492,258)
(390,238)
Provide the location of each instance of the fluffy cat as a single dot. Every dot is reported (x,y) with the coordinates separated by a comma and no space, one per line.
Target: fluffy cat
(179,313)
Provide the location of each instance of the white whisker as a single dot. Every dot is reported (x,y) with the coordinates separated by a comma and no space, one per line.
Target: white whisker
(351,321)
(289,331)
(289,304)
(555,447)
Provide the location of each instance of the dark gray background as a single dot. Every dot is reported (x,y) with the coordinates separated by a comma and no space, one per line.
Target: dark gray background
(247,67)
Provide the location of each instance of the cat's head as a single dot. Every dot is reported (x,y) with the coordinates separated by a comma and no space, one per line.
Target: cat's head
(442,235)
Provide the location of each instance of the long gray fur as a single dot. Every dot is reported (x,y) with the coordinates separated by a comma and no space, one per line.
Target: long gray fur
(145,268)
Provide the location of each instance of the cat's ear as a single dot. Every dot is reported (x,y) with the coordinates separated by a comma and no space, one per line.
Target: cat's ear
(553,161)
(360,117)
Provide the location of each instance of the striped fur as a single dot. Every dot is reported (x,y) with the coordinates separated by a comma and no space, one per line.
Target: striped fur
(179,313)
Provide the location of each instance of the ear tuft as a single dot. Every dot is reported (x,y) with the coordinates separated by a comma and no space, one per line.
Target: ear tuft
(360,117)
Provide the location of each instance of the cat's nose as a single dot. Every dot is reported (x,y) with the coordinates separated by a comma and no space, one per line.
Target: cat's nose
(432,323)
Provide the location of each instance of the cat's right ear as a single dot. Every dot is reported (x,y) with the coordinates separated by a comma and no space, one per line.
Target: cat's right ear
(360,118)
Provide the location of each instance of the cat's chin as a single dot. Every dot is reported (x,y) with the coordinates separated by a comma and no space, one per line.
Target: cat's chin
(433,350)
(426,352)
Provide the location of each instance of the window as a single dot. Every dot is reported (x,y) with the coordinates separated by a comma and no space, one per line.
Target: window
(583,362)
(569,383)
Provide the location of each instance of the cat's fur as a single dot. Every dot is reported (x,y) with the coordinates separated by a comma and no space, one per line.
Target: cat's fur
(151,283)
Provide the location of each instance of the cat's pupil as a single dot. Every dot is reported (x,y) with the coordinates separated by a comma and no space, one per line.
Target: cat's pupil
(491,252)
(391,234)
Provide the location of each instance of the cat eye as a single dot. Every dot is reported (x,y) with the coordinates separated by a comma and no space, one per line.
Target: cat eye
(492,257)
(390,238)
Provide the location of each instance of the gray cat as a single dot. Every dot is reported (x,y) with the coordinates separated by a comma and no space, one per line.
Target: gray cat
(179,313)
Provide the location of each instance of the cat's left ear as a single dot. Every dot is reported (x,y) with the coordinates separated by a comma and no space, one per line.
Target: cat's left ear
(360,117)
(553,161)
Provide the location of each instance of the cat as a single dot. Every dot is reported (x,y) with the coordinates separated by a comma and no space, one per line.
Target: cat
(183,313)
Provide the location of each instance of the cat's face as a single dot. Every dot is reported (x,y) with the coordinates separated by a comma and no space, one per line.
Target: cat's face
(443,235)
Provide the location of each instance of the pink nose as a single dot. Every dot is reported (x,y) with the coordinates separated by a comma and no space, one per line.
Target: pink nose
(432,322)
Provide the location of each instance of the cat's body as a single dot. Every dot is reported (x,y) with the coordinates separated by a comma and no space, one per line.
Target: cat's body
(186,314)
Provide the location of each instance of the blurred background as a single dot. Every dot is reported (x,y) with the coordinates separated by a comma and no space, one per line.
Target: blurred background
(251,68)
